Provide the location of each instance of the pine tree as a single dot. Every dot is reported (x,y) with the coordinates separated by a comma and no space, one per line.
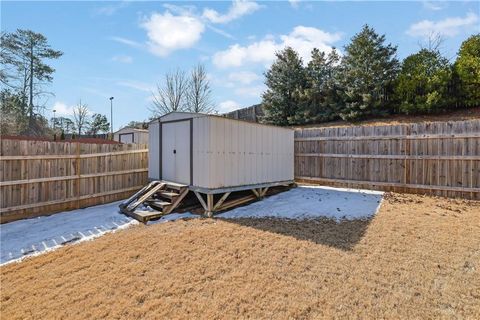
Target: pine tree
(369,69)
(323,87)
(23,55)
(286,81)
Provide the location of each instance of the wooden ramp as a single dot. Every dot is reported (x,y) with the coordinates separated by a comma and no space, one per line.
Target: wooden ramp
(161,196)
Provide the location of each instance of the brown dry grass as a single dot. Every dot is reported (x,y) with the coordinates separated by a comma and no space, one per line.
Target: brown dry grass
(418,258)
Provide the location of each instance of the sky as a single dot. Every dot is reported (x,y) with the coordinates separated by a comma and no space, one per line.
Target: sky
(124,48)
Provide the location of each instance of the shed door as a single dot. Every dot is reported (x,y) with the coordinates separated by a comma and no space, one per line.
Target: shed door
(126,137)
(176,152)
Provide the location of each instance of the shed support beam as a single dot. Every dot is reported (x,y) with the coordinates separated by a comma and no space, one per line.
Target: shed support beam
(209,205)
(264,192)
(220,202)
(202,202)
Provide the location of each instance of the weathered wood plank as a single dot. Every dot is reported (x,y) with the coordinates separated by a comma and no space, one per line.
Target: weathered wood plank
(42,177)
(440,158)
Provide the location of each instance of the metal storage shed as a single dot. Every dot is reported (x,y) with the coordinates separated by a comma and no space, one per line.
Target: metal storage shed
(131,135)
(210,154)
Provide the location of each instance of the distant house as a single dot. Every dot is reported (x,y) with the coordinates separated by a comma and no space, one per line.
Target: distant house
(131,135)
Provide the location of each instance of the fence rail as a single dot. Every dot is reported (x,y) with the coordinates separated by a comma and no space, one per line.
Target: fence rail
(441,158)
(41,177)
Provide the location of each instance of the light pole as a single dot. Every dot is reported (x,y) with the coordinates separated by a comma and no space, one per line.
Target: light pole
(54,119)
(111,117)
(54,126)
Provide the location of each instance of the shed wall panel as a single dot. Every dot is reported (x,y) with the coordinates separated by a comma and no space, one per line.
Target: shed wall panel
(231,153)
(141,137)
(201,151)
(154,151)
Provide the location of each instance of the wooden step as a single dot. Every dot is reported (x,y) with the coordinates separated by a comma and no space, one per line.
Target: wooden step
(172,194)
(138,193)
(144,216)
(159,203)
(174,185)
(142,198)
(169,195)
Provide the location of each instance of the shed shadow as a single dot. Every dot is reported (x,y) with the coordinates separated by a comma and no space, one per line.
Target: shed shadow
(343,235)
(338,218)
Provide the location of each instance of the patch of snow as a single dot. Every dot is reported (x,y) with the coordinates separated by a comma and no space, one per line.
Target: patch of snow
(34,236)
(31,237)
(309,202)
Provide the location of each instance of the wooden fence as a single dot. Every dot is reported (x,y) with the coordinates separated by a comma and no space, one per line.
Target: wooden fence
(39,177)
(441,158)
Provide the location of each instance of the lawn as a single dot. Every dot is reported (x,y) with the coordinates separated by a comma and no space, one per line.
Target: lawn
(418,257)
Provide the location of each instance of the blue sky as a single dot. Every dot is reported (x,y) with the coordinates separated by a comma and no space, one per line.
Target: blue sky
(123,49)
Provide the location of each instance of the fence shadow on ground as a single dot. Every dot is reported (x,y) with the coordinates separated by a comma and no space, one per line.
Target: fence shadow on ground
(343,235)
(312,213)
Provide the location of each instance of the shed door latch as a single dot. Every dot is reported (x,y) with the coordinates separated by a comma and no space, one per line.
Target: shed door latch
(174,151)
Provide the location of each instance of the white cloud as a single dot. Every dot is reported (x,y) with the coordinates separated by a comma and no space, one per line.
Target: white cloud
(182,10)
(238,9)
(181,27)
(253,91)
(294,3)
(61,109)
(137,85)
(227,106)
(434,5)
(302,39)
(243,77)
(221,32)
(167,33)
(122,59)
(448,27)
(237,55)
(128,42)
(111,9)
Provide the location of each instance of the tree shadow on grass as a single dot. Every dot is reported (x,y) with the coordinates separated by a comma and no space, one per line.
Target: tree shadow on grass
(343,235)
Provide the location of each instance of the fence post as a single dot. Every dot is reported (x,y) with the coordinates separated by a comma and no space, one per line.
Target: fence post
(407,155)
(77,164)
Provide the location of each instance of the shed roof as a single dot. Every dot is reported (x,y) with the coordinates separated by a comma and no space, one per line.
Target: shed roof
(131,129)
(198,114)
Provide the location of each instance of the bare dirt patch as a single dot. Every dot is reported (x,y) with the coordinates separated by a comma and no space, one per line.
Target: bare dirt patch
(419,257)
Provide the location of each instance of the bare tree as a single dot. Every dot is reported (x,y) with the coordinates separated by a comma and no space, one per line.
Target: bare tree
(171,95)
(80,116)
(199,93)
(434,42)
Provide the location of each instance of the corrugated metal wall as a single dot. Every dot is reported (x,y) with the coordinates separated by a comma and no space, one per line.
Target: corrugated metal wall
(141,137)
(229,153)
(154,150)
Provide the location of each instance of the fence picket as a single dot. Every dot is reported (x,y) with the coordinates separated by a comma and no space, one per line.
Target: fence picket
(441,158)
(43,177)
